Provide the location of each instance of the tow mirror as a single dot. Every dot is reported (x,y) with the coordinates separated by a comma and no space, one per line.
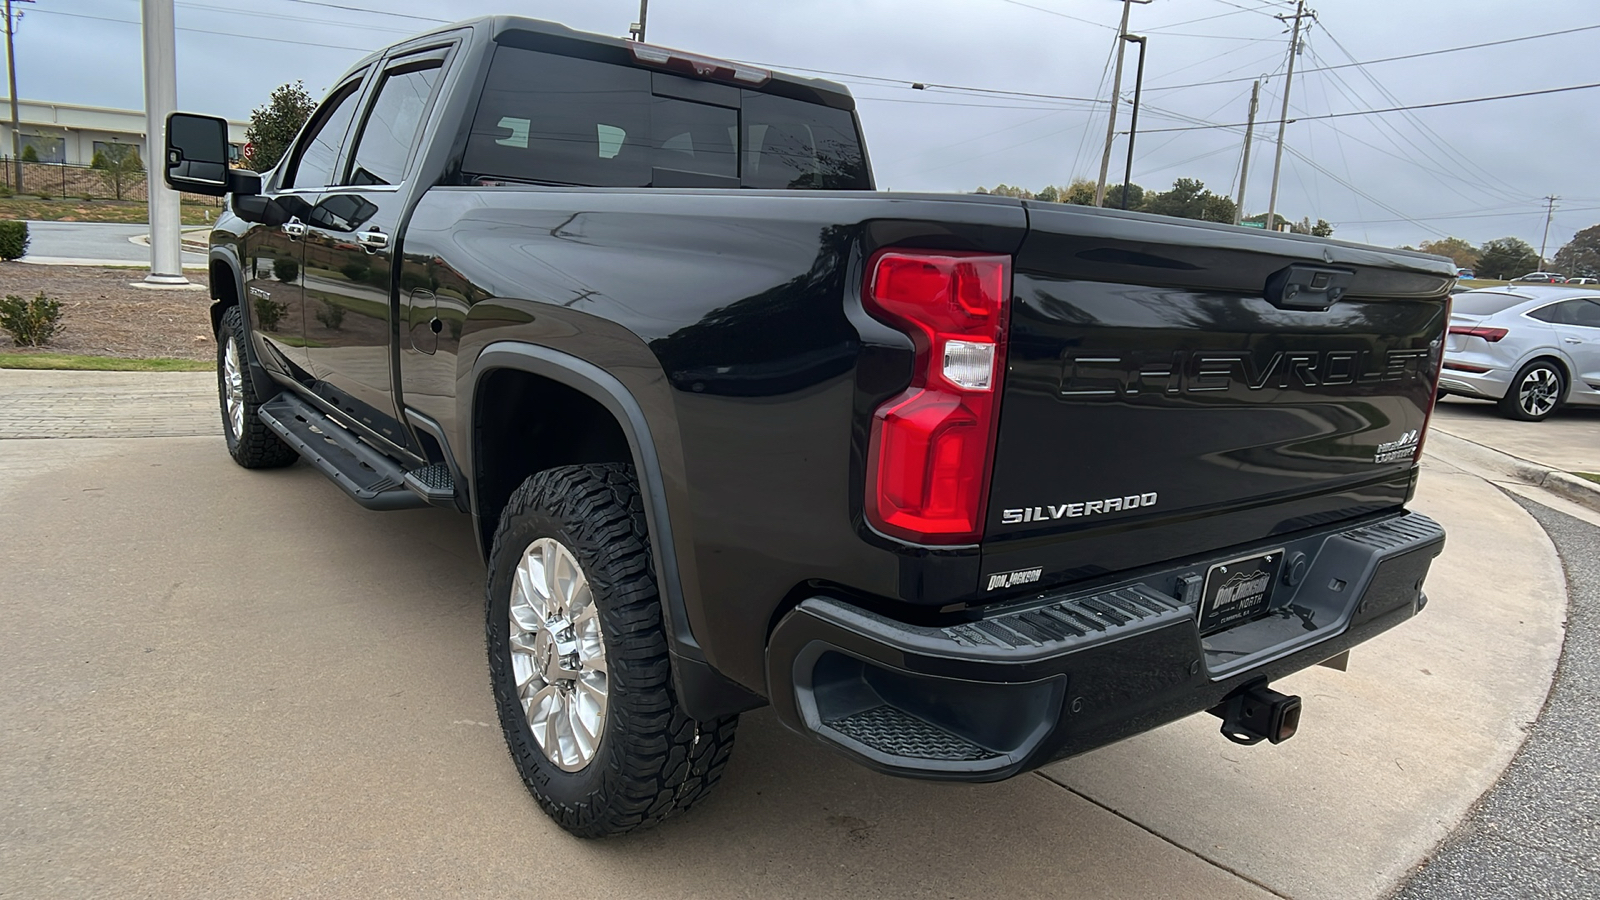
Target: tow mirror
(197,158)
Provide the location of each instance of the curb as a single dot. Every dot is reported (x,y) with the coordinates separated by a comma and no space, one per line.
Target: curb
(1568,486)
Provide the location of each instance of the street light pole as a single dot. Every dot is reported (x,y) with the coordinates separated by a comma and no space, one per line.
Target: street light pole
(160,98)
(1133,127)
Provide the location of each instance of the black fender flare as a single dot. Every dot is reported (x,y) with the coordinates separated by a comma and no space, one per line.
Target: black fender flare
(705,694)
(263,382)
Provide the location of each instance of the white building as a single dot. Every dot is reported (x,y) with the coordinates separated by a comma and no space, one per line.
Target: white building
(69,133)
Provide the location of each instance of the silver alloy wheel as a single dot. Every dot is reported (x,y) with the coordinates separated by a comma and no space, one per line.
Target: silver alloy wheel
(233,388)
(558,656)
(1539,391)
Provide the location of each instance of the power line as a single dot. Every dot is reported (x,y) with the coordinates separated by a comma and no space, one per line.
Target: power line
(1530,37)
(375,12)
(254,37)
(1060,14)
(1375,112)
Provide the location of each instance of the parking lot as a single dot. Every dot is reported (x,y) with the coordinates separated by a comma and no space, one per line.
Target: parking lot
(294,703)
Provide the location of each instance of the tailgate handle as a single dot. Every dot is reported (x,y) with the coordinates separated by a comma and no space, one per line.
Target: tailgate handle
(1312,288)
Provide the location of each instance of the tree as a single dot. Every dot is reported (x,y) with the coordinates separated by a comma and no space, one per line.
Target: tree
(1217,208)
(1581,255)
(1081,192)
(29,154)
(1136,196)
(118,165)
(1050,194)
(1322,228)
(1464,254)
(274,125)
(1189,199)
(1506,257)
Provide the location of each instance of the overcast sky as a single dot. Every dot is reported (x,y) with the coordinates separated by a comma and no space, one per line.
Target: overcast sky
(1477,171)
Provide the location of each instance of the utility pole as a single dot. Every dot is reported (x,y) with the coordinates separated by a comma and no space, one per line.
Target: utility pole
(637,28)
(11,66)
(1283,117)
(1549,211)
(160,98)
(1244,165)
(1116,91)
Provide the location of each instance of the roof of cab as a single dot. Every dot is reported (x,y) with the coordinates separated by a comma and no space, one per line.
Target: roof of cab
(500,25)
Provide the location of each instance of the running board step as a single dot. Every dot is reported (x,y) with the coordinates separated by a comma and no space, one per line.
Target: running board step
(369,477)
(434,484)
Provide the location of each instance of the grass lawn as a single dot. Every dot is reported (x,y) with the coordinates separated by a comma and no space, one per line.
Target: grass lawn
(1589,475)
(79,210)
(25,360)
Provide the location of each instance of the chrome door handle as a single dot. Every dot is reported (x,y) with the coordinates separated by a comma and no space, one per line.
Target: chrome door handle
(294,228)
(372,240)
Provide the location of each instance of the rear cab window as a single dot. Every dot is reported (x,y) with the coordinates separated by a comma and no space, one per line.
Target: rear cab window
(1483,303)
(547,118)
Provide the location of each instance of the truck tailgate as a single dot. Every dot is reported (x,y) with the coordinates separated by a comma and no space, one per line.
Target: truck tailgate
(1158,404)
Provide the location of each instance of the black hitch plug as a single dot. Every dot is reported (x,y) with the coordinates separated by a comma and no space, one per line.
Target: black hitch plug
(1256,713)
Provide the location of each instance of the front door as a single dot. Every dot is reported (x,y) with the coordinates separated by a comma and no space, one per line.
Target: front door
(274,273)
(350,296)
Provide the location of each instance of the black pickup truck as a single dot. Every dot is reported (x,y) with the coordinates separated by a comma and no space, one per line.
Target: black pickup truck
(959,485)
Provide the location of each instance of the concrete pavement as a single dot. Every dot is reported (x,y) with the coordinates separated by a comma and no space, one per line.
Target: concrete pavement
(293,703)
(1568,440)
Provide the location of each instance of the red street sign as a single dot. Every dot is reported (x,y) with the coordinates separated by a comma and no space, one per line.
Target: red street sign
(249,150)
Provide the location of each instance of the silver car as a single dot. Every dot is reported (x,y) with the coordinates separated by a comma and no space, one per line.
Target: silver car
(1529,347)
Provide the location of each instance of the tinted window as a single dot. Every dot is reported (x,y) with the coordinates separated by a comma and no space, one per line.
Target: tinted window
(790,144)
(1483,303)
(318,150)
(1584,312)
(561,120)
(391,128)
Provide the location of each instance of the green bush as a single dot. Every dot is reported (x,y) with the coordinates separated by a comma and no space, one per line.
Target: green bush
(356,272)
(285,270)
(270,313)
(32,323)
(332,317)
(29,154)
(13,239)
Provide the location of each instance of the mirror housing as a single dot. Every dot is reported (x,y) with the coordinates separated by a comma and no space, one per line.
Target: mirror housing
(197,158)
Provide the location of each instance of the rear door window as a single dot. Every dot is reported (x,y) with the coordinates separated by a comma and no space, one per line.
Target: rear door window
(390,131)
(790,144)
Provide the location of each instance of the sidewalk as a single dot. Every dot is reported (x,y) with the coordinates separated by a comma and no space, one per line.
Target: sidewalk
(58,404)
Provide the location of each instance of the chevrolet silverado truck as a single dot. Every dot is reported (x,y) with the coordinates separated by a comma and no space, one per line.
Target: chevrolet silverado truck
(959,485)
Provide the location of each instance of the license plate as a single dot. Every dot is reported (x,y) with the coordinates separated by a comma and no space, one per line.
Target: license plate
(1238,590)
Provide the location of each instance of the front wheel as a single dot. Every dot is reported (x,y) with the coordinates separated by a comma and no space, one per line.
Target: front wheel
(1535,392)
(578,658)
(250,442)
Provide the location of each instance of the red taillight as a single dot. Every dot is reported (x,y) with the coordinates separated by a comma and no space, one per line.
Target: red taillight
(929,459)
(1492,335)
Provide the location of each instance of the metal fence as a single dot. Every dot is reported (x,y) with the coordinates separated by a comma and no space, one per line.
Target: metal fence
(64,181)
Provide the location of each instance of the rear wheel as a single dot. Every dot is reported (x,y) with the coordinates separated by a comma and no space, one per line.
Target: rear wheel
(1535,392)
(578,659)
(250,442)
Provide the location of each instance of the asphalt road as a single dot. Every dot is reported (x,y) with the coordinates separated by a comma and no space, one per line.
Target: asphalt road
(1537,833)
(97,241)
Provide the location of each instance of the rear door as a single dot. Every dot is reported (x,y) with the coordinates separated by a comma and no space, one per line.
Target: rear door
(1580,338)
(350,249)
(1158,404)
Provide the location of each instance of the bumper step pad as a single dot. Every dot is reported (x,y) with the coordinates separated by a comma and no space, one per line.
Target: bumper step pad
(897,733)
